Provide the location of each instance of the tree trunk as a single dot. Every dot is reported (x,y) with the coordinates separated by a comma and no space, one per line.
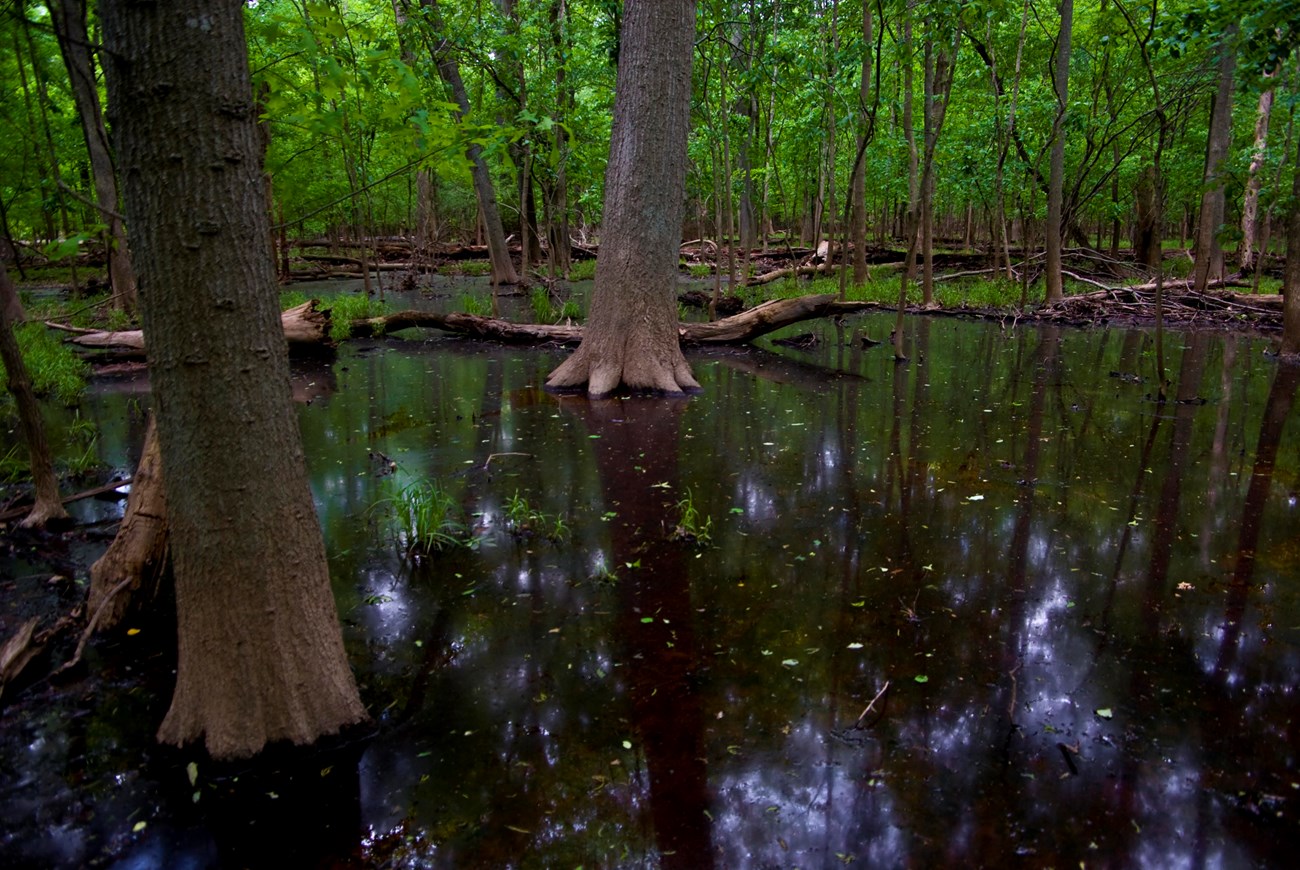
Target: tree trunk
(631,337)
(1250,203)
(1056,172)
(1209,251)
(137,559)
(69,19)
(47,506)
(260,653)
(858,183)
(1291,282)
(503,269)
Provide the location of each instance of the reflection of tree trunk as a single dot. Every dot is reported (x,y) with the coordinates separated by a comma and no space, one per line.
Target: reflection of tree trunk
(656,621)
(1276,411)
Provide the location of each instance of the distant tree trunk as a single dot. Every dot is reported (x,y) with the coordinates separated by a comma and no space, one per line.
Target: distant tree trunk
(47,506)
(858,183)
(1291,282)
(69,18)
(1250,204)
(557,197)
(913,159)
(503,269)
(631,338)
(1056,172)
(1209,251)
(260,653)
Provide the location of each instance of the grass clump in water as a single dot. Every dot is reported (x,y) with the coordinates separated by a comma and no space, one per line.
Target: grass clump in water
(582,270)
(343,310)
(523,520)
(422,516)
(476,305)
(693,526)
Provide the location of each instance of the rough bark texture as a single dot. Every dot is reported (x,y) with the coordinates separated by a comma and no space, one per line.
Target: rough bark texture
(47,506)
(69,18)
(128,575)
(631,339)
(260,653)
(1056,171)
(1209,251)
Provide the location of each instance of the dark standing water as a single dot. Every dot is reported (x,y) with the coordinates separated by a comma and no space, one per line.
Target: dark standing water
(1084,606)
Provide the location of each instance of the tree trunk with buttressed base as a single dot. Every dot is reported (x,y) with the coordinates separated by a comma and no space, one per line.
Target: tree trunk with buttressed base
(260,652)
(631,336)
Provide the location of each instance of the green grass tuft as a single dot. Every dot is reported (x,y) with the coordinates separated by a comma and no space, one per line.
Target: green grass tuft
(55,370)
(582,270)
(421,515)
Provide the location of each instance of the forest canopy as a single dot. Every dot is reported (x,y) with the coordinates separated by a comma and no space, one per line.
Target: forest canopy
(367,136)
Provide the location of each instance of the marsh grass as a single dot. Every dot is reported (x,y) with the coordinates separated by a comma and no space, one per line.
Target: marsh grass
(473,268)
(477,305)
(523,520)
(55,370)
(422,517)
(692,525)
(582,270)
(344,310)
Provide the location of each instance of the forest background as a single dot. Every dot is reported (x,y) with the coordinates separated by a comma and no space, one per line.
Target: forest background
(413,122)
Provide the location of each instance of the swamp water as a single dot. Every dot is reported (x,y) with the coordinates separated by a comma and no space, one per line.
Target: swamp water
(992,606)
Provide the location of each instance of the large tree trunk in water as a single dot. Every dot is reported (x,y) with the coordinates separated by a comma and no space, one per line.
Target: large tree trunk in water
(1250,203)
(137,558)
(1056,172)
(47,506)
(260,653)
(69,18)
(1209,251)
(631,336)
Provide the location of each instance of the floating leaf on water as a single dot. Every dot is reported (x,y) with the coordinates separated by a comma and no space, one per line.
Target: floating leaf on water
(139,826)
(976,498)
(627,744)
(192,771)
(1105,712)
(519,830)
(921,678)
(790,663)
(646,619)
(132,632)
(855,645)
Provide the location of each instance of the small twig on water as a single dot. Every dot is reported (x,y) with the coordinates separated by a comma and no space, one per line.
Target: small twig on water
(90,626)
(858,724)
(495,455)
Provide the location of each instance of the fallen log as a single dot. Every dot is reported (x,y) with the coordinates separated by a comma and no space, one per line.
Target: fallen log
(305,325)
(737,329)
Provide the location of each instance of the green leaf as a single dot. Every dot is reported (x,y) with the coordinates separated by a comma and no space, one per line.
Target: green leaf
(921,678)
(1105,712)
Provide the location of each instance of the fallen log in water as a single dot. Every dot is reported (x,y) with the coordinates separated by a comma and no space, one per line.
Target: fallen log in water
(305,326)
(737,329)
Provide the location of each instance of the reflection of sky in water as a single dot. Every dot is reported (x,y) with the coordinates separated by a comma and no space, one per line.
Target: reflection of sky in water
(1073,677)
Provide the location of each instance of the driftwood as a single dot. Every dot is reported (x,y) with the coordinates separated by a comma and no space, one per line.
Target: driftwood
(111,486)
(305,325)
(737,329)
(130,572)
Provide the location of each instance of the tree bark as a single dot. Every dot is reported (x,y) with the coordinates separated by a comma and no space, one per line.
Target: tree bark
(1056,172)
(1250,203)
(69,19)
(631,339)
(1209,251)
(47,506)
(260,652)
